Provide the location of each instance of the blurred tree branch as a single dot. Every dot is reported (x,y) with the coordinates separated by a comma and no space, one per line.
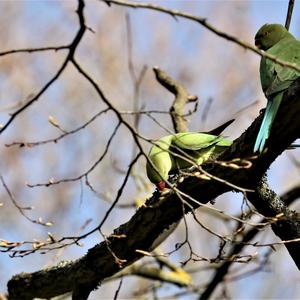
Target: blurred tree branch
(161,211)
(291,195)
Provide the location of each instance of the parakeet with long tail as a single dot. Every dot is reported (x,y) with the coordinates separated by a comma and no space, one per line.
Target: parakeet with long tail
(275,79)
(183,150)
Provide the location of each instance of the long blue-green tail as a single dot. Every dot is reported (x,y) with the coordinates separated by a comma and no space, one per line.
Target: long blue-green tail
(269,116)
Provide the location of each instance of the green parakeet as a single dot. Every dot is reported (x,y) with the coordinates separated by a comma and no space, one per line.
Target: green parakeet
(193,147)
(275,79)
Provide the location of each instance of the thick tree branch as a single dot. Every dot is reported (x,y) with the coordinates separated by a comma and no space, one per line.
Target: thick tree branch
(291,195)
(287,226)
(161,211)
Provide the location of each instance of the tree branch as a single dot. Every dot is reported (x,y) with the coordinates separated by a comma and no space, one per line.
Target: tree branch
(176,13)
(72,47)
(222,270)
(182,98)
(161,211)
(289,14)
(286,225)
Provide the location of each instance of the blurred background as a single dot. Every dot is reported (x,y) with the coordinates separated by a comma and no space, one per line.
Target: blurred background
(224,76)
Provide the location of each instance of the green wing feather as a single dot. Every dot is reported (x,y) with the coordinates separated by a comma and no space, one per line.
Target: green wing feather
(196,147)
(182,150)
(194,140)
(275,79)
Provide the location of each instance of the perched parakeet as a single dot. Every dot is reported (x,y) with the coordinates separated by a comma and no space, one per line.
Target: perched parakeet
(193,147)
(275,79)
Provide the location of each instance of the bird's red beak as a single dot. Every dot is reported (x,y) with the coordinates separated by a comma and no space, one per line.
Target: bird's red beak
(161,185)
(258,44)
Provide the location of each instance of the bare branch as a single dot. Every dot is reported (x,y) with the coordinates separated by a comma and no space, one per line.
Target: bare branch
(287,226)
(31,50)
(72,48)
(22,209)
(161,211)
(203,22)
(95,164)
(289,14)
(100,93)
(55,140)
(291,195)
(182,97)
(221,271)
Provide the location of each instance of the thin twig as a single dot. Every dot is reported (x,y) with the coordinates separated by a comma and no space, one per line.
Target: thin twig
(79,177)
(72,47)
(22,209)
(203,22)
(55,140)
(289,14)
(118,289)
(31,50)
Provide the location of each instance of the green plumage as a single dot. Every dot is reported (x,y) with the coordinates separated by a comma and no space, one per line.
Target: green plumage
(181,150)
(275,79)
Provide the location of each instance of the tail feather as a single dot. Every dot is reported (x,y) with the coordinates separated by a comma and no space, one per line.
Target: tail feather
(269,116)
(218,130)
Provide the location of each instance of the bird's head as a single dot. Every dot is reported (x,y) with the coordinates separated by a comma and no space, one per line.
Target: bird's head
(158,176)
(270,34)
(159,164)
